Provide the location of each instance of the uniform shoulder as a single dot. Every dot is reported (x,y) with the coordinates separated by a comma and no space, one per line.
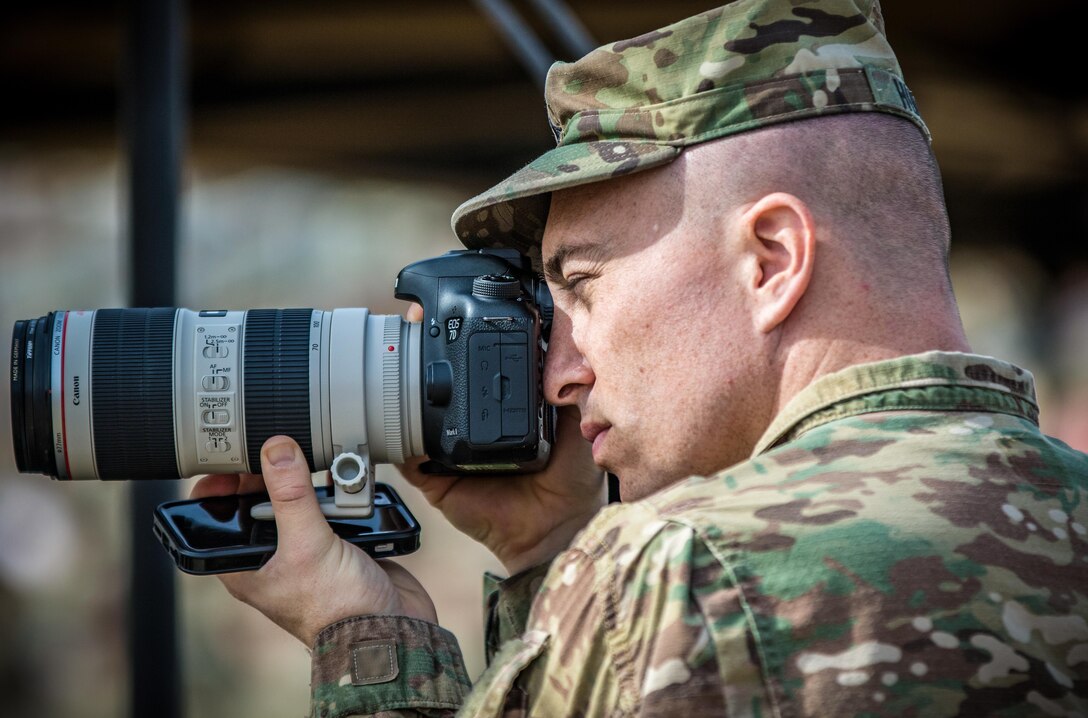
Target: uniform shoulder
(627,550)
(622,529)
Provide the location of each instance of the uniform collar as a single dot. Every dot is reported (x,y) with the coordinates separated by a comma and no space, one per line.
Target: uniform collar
(863,388)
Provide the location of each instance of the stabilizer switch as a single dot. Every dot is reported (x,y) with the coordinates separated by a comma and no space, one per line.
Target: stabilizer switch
(496,286)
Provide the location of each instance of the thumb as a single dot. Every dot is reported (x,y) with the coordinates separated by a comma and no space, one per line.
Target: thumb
(287,478)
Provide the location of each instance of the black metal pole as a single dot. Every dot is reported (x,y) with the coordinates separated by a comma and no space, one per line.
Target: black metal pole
(153,116)
(566,25)
(519,37)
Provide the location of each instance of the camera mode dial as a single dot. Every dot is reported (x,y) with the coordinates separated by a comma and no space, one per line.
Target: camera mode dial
(496,286)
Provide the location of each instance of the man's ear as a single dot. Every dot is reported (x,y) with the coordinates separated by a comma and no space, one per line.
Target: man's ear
(781,235)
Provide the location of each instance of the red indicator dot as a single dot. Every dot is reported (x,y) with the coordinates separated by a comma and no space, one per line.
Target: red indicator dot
(392,348)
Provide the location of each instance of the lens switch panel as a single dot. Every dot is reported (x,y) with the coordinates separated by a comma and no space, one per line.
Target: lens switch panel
(217,360)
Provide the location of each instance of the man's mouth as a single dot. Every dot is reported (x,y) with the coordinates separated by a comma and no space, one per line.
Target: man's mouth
(595,434)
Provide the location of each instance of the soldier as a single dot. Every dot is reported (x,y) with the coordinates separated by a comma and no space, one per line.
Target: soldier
(830,506)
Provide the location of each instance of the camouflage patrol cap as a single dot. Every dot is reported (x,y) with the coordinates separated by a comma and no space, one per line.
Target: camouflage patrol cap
(638,103)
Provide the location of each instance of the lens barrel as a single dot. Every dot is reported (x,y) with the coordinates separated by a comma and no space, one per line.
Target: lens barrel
(167,393)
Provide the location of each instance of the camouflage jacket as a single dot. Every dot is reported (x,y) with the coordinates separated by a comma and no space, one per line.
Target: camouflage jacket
(904,542)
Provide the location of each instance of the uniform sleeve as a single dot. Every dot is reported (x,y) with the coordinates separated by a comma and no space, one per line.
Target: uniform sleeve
(615,629)
(387,666)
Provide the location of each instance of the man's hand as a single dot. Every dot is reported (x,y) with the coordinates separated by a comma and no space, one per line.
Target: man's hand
(524,519)
(315,578)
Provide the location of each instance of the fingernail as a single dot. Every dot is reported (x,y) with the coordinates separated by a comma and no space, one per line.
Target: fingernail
(281,453)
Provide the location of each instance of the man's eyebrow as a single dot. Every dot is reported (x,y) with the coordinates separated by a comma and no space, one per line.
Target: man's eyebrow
(553,268)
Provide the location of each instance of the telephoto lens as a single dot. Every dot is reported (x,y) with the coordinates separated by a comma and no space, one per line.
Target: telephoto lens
(169,393)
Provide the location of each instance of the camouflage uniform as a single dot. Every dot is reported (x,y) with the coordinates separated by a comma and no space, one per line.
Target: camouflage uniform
(904,540)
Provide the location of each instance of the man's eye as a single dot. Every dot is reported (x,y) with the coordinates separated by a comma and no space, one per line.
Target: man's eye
(574,281)
(580,288)
(578,285)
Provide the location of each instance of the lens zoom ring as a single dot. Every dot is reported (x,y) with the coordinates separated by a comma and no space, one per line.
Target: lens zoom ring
(277,379)
(132,359)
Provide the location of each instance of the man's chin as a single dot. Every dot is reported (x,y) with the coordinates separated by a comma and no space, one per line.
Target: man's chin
(635,485)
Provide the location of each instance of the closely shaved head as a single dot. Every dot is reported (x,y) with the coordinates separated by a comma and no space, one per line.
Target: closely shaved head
(869,179)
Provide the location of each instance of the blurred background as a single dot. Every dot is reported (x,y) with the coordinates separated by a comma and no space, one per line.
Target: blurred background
(325,145)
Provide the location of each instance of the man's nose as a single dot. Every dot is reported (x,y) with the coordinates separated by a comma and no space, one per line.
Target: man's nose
(566,370)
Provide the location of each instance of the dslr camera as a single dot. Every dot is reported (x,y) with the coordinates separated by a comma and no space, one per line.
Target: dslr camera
(170,393)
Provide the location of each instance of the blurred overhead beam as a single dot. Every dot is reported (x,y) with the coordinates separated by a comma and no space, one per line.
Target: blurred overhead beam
(430,85)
